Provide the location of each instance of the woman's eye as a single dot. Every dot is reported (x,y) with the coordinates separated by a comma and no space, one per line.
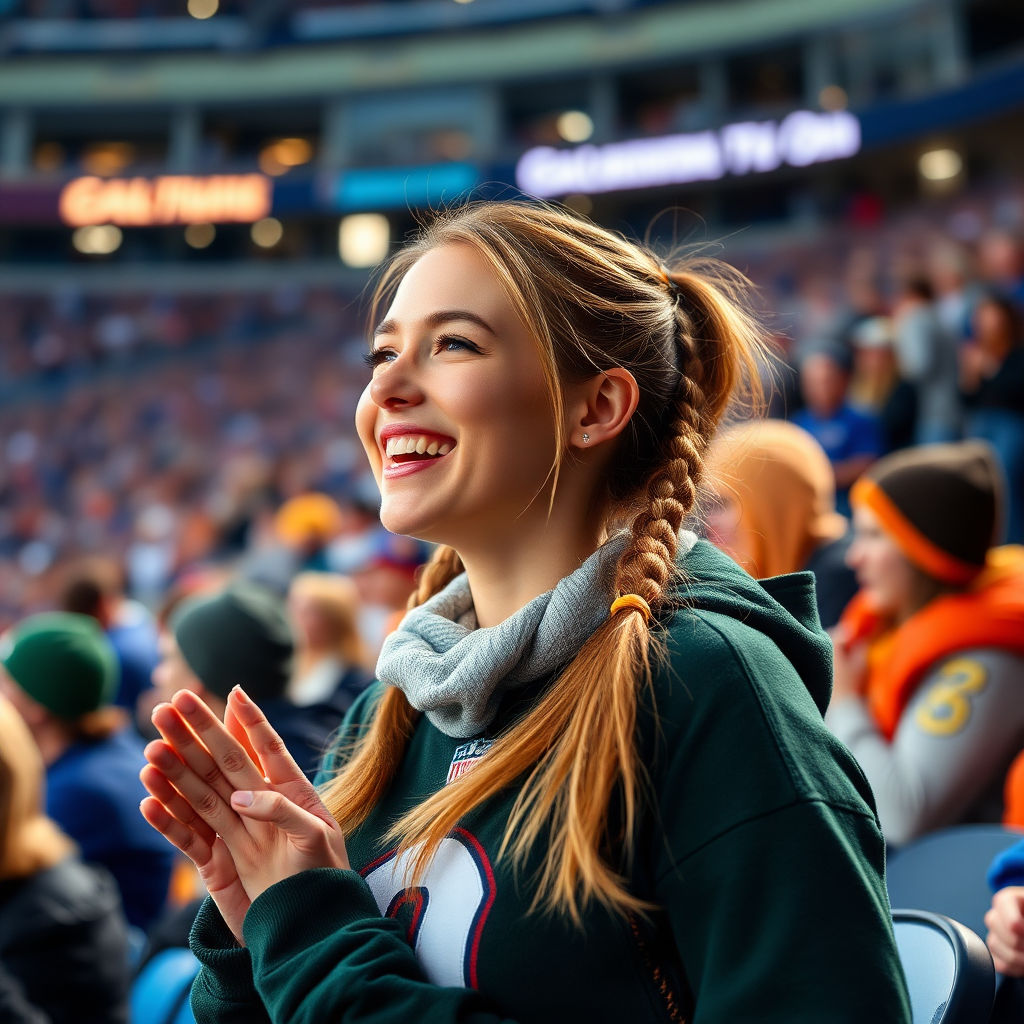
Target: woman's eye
(378,356)
(452,343)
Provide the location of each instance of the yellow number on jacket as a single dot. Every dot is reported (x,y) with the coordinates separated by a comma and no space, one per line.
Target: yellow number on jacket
(947,706)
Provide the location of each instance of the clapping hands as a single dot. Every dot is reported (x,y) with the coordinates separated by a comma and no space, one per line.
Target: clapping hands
(233,800)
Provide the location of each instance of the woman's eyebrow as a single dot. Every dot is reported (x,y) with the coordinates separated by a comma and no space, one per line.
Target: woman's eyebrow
(438,319)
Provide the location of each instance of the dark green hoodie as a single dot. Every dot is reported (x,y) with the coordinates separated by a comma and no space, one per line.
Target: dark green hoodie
(760,845)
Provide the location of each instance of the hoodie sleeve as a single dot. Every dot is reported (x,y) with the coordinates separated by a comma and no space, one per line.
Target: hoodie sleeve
(956,735)
(321,951)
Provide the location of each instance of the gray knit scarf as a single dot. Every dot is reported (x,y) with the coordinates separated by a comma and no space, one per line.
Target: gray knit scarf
(455,672)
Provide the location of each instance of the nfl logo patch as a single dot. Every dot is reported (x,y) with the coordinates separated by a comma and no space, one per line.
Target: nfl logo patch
(466,756)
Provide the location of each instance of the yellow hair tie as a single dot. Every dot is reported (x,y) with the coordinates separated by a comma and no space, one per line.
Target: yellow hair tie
(634,601)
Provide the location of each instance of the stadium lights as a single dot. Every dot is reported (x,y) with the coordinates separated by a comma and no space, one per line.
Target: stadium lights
(575,126)
(97,239)
(200,236)
(281,156)
(801,139)
(203,9)
(940,164)
(363,239)
(172,199)
(107,158)
(266,233)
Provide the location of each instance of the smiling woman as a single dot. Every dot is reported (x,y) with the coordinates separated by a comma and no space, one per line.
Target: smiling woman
(592,781)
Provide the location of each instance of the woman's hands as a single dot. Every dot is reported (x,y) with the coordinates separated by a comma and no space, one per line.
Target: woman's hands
(243,831)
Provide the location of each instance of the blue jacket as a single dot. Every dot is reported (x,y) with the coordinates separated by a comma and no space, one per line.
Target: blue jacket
(93,792)
(1007,868)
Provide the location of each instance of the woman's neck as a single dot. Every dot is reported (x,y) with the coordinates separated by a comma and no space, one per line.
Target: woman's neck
(507,575)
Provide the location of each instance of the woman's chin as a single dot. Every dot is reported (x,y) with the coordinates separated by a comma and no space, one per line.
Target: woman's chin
(398,517)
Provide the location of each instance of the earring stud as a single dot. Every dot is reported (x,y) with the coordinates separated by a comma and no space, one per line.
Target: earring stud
(586,438)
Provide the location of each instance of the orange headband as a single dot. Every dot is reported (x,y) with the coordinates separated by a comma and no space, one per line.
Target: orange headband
(925,554)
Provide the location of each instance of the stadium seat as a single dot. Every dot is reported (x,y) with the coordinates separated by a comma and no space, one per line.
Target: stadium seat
(945,872)
(948,969)
(160,993)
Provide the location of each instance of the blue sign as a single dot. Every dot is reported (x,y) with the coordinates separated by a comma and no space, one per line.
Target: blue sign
(383,188)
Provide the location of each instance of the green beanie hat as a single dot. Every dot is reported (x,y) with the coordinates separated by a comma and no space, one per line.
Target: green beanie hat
(63,661)
(240,637)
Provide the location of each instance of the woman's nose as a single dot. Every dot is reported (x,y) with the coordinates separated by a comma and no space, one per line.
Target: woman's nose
(394,387)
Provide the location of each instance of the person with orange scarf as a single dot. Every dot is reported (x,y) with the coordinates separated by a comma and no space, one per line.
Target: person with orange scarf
(929,655)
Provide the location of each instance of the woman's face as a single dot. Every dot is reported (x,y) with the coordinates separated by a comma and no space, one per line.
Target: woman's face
(457,421)
(315,627)
(888,580)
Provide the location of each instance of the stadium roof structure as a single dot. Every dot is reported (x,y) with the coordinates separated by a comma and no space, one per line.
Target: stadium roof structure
(476,54)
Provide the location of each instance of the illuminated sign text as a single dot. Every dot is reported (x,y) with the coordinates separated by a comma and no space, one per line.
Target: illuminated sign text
(171,199)
(800,139)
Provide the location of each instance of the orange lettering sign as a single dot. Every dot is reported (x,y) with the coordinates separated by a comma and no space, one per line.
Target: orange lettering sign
(171,199)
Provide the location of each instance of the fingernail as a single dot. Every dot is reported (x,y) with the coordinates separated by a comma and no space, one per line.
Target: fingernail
(242,798)
(242,695)
(157,707)
(186,702)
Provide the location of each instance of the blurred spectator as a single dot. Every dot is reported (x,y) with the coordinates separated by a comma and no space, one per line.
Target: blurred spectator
(780,380)
(926,355)
(63,940)
(95,587)
(386,578)
(864,298)
(773,509)
(1002,263)
(852,440)
(331,664)
(304,526)
(992,379)
(949,271)
(151,557)
(61,674)
(929,656)
(242,637)
(876,387)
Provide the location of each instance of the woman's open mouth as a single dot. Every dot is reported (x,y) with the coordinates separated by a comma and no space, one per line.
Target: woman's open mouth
(410,451)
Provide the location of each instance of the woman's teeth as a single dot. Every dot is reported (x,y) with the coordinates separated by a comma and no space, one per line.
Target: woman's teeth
(416,444)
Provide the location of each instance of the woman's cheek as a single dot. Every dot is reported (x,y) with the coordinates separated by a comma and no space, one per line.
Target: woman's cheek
(366,422)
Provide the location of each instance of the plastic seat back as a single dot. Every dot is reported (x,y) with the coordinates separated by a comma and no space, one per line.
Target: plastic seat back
(945,872)
(160,992)
(949,971)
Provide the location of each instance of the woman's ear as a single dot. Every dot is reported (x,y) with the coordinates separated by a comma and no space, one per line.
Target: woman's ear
(599,409)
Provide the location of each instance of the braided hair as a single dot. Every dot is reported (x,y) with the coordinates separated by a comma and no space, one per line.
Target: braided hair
(593,300)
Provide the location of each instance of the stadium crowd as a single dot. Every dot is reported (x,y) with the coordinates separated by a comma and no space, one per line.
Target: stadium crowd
(184,505)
